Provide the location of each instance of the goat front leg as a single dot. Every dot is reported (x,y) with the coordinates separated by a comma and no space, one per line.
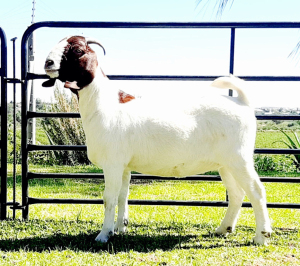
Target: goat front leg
(113,183)
(122,220)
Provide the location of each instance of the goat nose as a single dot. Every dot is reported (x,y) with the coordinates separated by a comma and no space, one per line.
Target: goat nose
(49,63)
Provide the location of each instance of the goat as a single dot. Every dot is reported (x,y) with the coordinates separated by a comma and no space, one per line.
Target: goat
(163,136)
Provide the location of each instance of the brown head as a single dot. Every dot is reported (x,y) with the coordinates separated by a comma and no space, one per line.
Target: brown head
(72,61)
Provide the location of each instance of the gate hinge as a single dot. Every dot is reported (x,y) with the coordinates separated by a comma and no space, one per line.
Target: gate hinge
(13,80)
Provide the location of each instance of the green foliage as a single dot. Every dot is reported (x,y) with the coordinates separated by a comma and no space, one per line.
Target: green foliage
(65,131)
(274,163)
(10,143)
(292,144)
(278,124)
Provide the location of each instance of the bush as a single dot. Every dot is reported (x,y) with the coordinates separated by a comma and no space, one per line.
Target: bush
(279,163)
(293,144)
(65,131)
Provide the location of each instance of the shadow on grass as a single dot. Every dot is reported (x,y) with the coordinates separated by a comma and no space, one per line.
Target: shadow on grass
(80,236)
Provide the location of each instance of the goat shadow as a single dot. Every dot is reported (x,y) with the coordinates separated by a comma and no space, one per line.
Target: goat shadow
(138,239)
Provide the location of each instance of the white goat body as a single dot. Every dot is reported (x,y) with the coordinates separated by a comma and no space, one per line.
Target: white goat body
(165,136)
(169,137)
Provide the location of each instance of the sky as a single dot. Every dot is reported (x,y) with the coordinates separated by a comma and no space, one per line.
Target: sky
(169,52)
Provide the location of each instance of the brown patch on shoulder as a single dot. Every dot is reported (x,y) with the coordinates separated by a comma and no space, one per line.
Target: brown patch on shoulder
(125,97)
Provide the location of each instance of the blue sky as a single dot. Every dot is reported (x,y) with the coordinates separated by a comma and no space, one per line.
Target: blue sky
(182,52)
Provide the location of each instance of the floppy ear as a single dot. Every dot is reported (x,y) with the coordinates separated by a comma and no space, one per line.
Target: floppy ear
(49,83)
(72,85)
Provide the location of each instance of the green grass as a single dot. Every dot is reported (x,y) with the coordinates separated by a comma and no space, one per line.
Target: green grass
(157,235)
(268,139)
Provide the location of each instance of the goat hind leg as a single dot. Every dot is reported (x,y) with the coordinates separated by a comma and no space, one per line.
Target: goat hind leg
(248,179)
(235,195)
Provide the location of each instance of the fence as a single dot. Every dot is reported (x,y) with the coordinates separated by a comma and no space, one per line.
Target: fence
(3,115)
(26,115)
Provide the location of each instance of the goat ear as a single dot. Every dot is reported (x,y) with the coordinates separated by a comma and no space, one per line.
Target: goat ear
(49,83)
(71,85)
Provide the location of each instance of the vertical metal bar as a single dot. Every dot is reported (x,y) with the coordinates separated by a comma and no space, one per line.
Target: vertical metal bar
(15,128)
(24,121)
(231,64)
(231,68)
(3,184)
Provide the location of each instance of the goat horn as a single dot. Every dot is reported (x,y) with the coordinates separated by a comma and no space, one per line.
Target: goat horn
(89,41)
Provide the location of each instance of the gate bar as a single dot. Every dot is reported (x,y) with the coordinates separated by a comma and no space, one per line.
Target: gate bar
(209,178)
(31,114)
(160,203)
(15,128)
(32,147)
(3,110)
(179,78)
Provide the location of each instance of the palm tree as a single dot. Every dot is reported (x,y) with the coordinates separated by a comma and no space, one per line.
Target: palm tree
(219,4)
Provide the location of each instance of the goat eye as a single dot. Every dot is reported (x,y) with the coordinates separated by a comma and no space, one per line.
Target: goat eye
(78,51)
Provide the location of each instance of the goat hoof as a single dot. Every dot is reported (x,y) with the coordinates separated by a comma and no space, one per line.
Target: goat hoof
(262,238)
(103,237)
(121,226)
(223,231)
(229,229)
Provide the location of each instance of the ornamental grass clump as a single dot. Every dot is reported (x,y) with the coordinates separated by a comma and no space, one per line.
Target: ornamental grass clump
(65,131)
(292,144)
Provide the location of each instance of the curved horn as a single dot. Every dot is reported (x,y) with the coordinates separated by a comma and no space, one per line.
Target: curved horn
(94,41)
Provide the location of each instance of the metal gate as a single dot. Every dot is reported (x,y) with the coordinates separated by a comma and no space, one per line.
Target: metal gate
(27,147)
(3,117)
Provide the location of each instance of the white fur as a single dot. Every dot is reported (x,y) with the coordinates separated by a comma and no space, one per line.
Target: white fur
(169,135)
(173,136)
(56,56)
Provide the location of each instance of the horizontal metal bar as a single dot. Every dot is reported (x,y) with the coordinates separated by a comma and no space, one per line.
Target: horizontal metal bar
(278,117)
(201,78)
(96,24)
(178,77)
(277,151)
(209,178)
(133,176)
(13,80)
(31,147)
(31,114)
(54,115)
(159,203)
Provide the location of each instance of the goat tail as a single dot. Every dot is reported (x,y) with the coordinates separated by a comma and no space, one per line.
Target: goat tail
(232,83)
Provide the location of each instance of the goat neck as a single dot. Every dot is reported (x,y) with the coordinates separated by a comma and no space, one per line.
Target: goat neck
(98,96)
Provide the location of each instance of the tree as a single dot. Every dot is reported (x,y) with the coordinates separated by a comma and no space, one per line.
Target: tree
(219,4)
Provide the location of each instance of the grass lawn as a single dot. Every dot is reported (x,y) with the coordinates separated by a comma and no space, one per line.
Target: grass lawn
(157,235)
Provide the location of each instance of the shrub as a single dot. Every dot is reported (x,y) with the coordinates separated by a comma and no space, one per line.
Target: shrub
(279,163)
(264,163)
(65,131)
(292,144)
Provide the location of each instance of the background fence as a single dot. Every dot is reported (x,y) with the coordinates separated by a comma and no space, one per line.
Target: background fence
(3,117)
(26,115)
